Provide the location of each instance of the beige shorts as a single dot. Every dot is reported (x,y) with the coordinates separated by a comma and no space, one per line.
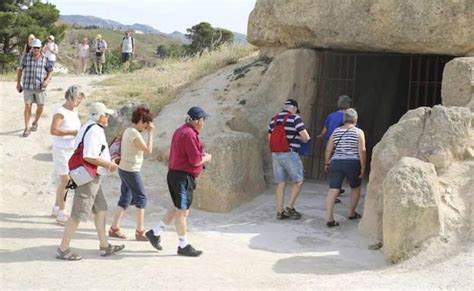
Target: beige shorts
(34,96)
(88,197)
(61,158)
(101,59)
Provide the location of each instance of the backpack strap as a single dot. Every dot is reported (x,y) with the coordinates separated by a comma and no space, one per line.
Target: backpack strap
(87,129)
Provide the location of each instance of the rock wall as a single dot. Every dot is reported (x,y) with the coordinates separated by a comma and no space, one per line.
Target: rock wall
(441,136)
(419,27)
(458,83)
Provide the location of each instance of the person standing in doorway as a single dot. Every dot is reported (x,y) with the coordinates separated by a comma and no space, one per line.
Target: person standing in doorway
(287,163)
(127,47)
(51,50)
(100,47)
(83,55)
(64,127)
(186,162)
(35,71)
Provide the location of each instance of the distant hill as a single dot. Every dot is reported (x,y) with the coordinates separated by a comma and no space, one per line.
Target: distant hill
(88,21)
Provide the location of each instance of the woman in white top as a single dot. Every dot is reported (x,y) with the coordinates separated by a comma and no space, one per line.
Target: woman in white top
(132,190)
(64,128)
(83,55)
(50,50)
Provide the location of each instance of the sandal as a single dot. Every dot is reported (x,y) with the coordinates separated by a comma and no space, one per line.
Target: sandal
(332,223)
(34,126)
(337,201)
(110,249)
(355,216)
(115,232)
(26,132)
(140,235)
(67,255)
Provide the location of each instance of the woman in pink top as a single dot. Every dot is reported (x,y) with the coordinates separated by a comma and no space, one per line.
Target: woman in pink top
(83,55)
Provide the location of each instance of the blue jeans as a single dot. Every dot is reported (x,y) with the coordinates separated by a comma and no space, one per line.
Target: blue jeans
(132,191)
(287,164)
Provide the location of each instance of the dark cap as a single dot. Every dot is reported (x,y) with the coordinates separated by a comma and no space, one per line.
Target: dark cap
(197,112)
(294,103)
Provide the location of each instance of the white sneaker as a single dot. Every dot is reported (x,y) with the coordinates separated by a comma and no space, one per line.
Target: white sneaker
(61,219)
(55,211)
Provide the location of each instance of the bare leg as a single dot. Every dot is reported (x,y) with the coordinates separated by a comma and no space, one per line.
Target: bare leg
(119,212)
(84,66)
(63,180)
(27,114)
(39,112)
(69,230)
(295,191)
(330,200)
(99,221)
(140,218)
(355,195)
(169,216)
(180,221)
(280,193)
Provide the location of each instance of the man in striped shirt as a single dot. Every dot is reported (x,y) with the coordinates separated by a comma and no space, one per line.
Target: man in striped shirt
(36,72)
(288,164)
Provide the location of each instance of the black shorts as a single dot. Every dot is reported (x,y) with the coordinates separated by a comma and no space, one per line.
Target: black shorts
(181,186)
(126,57)
(339,169)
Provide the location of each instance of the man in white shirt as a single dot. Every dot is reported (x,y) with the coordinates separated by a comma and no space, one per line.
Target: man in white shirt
(89,197)
(127,47)
(100,47)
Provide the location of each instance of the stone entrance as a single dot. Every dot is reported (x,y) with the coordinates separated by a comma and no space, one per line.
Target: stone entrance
(383,87)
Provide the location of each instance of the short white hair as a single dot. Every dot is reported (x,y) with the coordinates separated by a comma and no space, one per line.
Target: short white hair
(288,107)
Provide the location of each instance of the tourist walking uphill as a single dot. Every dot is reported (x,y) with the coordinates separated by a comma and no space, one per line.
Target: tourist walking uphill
(33,76)
(132,191)
(345,158)
(186,163)
(285,133)
(89,197)
(100,47)
(64,127)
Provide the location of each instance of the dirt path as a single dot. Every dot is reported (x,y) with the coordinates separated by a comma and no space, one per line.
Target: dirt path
(246,248)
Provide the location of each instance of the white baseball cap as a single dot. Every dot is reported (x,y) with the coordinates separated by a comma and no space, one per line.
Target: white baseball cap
(36,43)
(99,109)
(51,37)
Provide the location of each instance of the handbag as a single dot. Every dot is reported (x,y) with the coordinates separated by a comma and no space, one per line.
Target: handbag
(81,171)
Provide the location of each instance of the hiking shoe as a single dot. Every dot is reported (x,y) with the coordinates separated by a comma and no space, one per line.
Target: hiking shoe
(282,215)
(154,240)
(189,251)
(293,214)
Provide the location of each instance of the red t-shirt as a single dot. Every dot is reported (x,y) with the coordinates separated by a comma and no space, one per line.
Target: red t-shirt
(186,151)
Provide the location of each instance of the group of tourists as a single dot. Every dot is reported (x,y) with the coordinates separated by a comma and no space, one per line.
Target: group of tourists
(345,156)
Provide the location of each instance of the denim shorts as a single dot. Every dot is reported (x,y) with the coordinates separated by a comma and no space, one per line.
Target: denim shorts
(340,169)
(132,191)
(287,164)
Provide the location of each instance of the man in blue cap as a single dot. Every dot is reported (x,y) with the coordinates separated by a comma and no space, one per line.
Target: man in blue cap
(185,165)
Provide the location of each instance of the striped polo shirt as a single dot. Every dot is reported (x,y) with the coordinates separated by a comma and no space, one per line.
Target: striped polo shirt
(294,124)
(346,143)
(34,71)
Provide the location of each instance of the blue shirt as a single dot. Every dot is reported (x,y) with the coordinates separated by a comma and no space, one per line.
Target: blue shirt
(333,121)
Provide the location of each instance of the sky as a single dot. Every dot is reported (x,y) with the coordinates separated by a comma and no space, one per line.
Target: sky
(165,15)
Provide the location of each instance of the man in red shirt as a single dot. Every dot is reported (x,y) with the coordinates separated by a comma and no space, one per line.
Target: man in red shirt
(185,165)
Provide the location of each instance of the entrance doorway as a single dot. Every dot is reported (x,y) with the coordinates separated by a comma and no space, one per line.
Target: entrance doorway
(382,87)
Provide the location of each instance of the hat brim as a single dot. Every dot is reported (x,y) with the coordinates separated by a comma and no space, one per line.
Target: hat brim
(109,111)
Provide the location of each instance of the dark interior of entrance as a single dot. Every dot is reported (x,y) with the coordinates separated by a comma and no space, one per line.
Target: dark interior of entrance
(382,87)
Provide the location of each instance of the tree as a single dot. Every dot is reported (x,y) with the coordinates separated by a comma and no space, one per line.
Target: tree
(18,19)
(204,36)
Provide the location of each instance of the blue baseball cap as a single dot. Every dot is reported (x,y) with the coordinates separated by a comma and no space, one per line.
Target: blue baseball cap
(197,112)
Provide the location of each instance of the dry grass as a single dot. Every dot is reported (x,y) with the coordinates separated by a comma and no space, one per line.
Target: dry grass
(9,77)
(157,86)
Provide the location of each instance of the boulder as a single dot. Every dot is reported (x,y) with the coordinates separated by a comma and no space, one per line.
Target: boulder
(410,199)
(458,83)
(418,27)
(440,135)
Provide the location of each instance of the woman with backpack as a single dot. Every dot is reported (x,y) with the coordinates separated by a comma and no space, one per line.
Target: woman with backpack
(131,159)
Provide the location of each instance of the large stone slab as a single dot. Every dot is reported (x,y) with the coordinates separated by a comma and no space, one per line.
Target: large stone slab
(411,199)
(458,83)
(421,26)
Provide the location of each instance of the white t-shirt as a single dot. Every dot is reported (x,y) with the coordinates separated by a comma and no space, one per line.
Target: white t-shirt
(83,50)
(71,122)
(95,144)
(50,55)
(127,45)
(131,158)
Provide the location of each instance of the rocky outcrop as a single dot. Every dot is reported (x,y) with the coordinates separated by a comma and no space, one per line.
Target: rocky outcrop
(441,136)
(458,83)
(420,27)
(410,216)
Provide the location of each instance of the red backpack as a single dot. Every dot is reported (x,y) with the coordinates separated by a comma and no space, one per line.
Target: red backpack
(278,140)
